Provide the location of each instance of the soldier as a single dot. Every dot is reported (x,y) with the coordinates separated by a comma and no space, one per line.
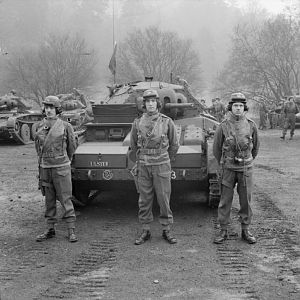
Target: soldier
(235,147)
(154,143)
(55,145)
(203,104)
(212,108)
(290,110)
(181,81)
(273,116)
(220,110)
(262,116)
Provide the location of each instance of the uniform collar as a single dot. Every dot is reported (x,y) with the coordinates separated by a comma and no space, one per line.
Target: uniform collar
(235,118)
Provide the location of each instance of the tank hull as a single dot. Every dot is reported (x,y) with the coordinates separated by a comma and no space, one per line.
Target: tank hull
(103,160)
(19,128)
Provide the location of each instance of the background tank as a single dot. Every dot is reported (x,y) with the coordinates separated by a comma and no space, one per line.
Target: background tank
(103,161)
(77,109)
(17,121)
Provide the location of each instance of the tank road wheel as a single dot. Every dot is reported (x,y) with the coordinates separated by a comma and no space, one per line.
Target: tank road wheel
(25,133)
(80,196)
(34,128)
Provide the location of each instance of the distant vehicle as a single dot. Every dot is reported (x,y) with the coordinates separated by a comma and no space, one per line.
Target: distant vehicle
(103,160)
(17,121)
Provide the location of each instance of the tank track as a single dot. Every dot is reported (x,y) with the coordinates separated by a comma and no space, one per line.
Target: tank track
(214,192)
(23,128)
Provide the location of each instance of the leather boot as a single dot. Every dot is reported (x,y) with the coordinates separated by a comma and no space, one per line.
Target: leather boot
(283,137)
(291,137)
(145,236)
(221,237)
(50,233)
(248,237)
(72,236)
(168,237)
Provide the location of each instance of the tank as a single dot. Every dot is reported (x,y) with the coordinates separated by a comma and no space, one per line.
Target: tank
(76,109)
(103,161)
(17,121)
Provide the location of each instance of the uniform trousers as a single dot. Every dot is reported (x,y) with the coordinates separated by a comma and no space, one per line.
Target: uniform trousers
(289,121)
(243,180)
(57,184)
(154,179)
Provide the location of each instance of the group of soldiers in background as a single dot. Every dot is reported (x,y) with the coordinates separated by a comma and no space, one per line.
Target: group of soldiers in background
(282,115)
(217,109)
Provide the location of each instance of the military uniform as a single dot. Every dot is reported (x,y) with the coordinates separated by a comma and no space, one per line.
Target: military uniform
(262,116)
(55,145)
(273,119)
(290,110)
(219,111)
(235,146)
(154,139)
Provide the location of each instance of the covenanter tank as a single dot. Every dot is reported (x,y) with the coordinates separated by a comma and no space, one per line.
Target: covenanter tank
(103,160)
(17,121)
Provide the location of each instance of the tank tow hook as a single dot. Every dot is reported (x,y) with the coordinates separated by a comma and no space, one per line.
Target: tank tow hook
(90,175)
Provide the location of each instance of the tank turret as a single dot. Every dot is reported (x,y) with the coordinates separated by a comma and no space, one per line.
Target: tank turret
(77,109)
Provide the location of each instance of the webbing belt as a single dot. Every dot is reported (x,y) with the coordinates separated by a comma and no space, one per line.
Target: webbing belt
(152,151)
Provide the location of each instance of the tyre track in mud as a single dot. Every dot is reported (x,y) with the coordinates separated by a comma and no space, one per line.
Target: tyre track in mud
(89,272)
(21,264)
(280,243)
(276,256)
(236,271)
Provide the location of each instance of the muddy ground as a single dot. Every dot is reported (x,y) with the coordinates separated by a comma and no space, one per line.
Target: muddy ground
(104,263)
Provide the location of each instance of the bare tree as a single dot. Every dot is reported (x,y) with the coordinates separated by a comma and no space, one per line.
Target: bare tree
(157,53)
(265,59)
(60,64)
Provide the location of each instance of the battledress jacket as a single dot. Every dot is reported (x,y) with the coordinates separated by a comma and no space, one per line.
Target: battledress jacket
(154,139)
(55,143)
(236,143)
(290,108)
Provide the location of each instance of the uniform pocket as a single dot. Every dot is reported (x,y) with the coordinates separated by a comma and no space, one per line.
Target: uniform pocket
(164,171)
(63,171)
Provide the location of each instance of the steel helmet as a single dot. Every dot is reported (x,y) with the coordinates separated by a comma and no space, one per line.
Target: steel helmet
(150,94)
(52,101)
(238,97)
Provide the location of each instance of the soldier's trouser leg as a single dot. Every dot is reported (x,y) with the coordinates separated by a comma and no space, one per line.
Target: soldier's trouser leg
(292,124)
(146,196)
(227,191)
(285,126)
(244,189)
(63,188)
(162,185)
(50,196)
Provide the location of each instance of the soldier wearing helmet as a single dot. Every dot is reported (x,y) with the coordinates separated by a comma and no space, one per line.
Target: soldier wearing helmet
(154,142)
(52,101)
(235,147)
(55,145)
(290,109)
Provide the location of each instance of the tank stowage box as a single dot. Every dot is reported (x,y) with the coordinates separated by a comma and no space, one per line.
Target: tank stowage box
(103,160)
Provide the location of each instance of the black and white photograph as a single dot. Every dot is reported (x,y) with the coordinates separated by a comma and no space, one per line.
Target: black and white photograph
(150,149)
